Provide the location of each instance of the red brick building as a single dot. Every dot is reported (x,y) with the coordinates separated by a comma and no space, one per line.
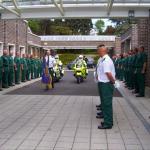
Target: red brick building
(16,36)
(137,35)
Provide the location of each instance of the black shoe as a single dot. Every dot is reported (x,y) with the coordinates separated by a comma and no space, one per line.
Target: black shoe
(100,117)
(99,114)
(104,127)
(99,109)
(98,105)
(139,95)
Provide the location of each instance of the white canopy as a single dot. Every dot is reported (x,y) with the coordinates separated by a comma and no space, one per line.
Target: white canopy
(11,9)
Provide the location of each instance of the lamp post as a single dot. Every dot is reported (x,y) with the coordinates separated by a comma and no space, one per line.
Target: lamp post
(131,15)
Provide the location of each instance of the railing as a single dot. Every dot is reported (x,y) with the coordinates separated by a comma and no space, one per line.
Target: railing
(126,34)
(78,38)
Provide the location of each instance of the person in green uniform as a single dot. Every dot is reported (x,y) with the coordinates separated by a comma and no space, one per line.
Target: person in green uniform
(17,61)
(35,67)
(40,66)
(23,68)
(28,72)
(105,75)
(32,66)
(5,69)
(129,69)
(134,81)
(11,69)
(141,70)
(1,72)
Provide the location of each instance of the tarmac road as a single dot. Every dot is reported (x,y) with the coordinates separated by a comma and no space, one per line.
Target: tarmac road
(67,86)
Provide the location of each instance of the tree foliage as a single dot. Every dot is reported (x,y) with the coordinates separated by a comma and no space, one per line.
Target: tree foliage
(100,26)
(60,27)
(122,25)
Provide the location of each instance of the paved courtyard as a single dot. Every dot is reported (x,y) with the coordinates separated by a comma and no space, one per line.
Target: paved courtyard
(67,122)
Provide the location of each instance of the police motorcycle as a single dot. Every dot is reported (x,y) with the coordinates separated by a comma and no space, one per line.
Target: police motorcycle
(58,69)
(80,71)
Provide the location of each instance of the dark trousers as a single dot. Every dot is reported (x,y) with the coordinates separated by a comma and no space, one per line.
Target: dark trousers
(0,84)
(141,83)
(5,77)
(106,95)
(51,71)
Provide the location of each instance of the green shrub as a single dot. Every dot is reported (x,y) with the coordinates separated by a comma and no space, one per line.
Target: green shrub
(67,58)
(96,59)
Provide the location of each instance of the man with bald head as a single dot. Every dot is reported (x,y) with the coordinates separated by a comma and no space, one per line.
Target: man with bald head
(5,60)
(106,78)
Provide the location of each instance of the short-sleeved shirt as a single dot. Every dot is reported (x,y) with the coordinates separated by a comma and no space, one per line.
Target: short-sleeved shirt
(105,65)
(51,61)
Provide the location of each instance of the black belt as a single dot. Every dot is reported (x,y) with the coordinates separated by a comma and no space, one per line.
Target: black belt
(106,82)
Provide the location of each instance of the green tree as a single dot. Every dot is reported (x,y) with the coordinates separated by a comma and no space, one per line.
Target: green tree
(59,27)
(100,26)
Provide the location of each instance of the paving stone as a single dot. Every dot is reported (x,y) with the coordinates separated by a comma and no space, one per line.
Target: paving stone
(67,123)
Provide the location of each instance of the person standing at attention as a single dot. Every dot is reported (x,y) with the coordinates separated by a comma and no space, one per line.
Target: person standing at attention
(106,80)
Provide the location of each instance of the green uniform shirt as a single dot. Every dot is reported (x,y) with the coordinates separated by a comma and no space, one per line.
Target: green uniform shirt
(11,62)
(5,61)
(17,62)
(1,68)
(24,63)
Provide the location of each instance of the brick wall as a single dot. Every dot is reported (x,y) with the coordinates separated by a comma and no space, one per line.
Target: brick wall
(1,30)
(148,52)
(118,45)
(134,36)
(32,38)
(21,34)
(10,32)
(143,37)
(15,32)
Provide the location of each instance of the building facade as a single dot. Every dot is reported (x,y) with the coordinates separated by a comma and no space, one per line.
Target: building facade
(138,35)
(16,36)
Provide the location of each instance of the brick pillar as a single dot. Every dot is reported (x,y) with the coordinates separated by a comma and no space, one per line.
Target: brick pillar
(134,36)
(143,39)
(117,45)
(148,52)
(143,33)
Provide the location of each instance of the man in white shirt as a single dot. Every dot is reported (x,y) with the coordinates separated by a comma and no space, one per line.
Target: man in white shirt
(50,60)
(106,79)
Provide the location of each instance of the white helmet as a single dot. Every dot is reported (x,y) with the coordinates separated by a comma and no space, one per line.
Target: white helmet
(56,57)
(81,57)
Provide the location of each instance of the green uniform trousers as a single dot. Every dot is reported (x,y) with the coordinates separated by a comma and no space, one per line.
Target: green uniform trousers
(23,75)
(28,72)
(136,83)
(5,77)
(17,76)
(106,95)
(141,83)
(1,73)
(11,76)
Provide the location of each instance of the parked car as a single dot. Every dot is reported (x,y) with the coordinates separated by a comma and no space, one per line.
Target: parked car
(71,64)
(90,62)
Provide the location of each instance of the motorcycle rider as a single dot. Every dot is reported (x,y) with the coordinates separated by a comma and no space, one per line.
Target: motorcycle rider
(81,62)
(60,65)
